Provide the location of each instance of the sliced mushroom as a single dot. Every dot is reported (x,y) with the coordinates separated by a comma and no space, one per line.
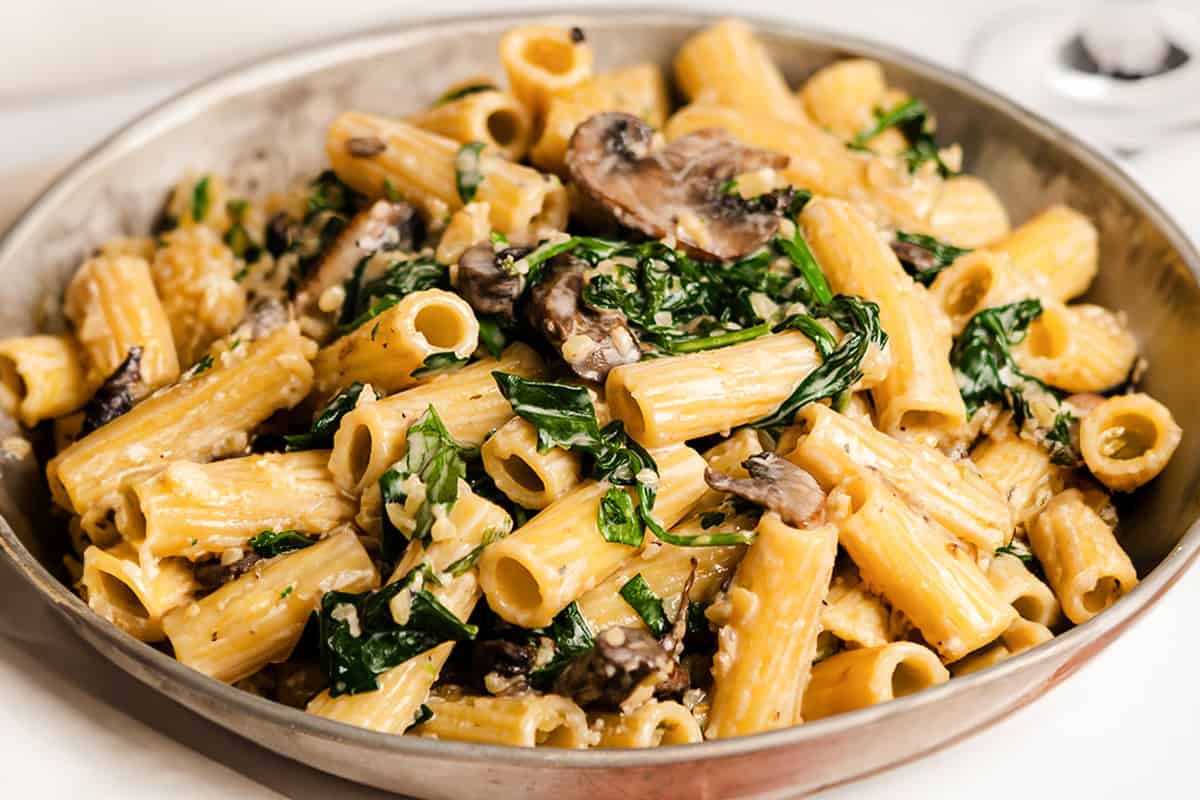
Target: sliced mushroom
(777,485)
(481,282)
(592,340)
(502,667)
(116,395)
(212,575)
(623,664)
(673,191)
(385,225)
(915,254)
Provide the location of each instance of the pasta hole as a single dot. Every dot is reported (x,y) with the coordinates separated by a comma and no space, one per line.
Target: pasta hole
(359,454)
(12,386)
(521,587)
(909,678)
(441,325)
(1047,335)
(670,732)
(857,490)
(915,420)
(523,474)
(1028,606)
(1101,595)
(965,297)
(504,126)
(121,596)
(561,735)
(552,55)
(1128,436)
(624,406)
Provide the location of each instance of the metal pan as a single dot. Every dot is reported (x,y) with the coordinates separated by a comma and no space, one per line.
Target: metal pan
(267,120)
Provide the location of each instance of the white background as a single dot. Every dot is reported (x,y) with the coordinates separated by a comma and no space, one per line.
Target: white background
(73,726)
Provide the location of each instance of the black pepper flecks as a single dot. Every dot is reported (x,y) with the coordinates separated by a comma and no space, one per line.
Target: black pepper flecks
(577,35)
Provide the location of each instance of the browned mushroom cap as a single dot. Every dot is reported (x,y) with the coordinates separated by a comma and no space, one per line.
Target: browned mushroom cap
(592,340)
(621,661)
(384,226)
(675,190)
(481,282)
(116,395)
(777,485)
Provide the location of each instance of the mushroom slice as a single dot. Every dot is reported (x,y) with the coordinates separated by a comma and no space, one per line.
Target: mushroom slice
(592,340)
(386,225)
(481,282)
(625,664)
(673,190)
(116,395)
(777,485)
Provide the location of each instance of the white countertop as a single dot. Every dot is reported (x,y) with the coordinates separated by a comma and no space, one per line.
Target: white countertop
(74,726)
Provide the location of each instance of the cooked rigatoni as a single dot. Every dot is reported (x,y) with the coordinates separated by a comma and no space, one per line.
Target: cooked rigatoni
(193,510)
(114,307)
(560,554)
(919,392)
(386,350)
(207,415)
(653,724)
(133,596)
(194,275)
(258,618)
(967,213)
(852,613)
(1019,587)
(844,96)
(543,62)
(918,568)
(1019,470)
(492,117)
(1084,563)
(467,226)
(41,377)
(976,282)
(421,167)
(765,651)
(1127,441)
(869,676)
(529,478)
(371,437)
(1080,348)
(1059,245)
(833,448)
(524,721)
(1022,635)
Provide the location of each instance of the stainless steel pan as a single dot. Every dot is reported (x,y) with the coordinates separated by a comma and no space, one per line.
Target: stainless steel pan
(267,120)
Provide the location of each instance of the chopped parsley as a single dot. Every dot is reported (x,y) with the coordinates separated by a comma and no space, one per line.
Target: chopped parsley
(468,173)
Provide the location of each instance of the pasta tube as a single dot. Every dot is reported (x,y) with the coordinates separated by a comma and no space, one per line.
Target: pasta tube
(919,391)
(114,307)
(560,554)
(422,167)
(131,596)
(968,213)
(205,416)
(386,350)
(258,618)
(833,448)
(492,117)
(1019,470)
(193,509)
(765,652)
(529,478)
(859,678)
(1022,635)
(1127,441)
(843,96)
(1081,348)
(921,570)
(652,724)
(371,437)
(1081,557)
(1059,245)
(1032,599)
(542,62)
(852,613)
(519,721)
(41,377)
(976,282)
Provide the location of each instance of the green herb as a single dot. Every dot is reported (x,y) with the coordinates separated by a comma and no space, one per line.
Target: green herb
(1062,442)
(983,362)
(912,119)
(269,544)
(498,238)
(366,300)
(439,362)
(203,365)
(464,564)
(201,201)
(728,187)
(320,435)
(241,274)
(286,592)
(238,237)
(642,599)
(719,340)
(571,637)
(424,714)
(697,622)
(467,171)
(193,541)
(390,192)
(327,192)
(923,257)
(492,335)
(360,638)
(711,519)
(1017,548)
(437,461)
(618,519)
(463,91)
(796,248)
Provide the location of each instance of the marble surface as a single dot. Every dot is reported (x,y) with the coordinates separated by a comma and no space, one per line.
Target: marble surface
(75,726)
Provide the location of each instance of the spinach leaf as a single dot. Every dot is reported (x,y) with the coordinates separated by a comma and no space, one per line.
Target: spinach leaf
(563,414)
(923,257)
(328,208)
(912,119)
(467,171)
(366,300)
(1062,440)
(618,519)
(796,248)
(445,361)
(360,638)
(320,435)
(269,544)
(464,564)
(424,714)
(1017,548)
(435,460)
(492,335)
(649,606)
(571,637)
(711,519)
(201,199)
(464,91)
(983,361)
